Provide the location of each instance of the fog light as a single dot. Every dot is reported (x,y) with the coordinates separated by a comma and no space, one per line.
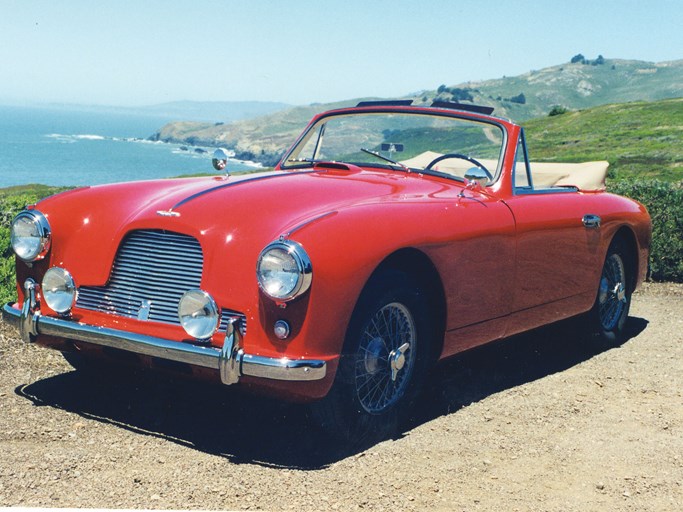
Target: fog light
(59,290)
(281,329)
(198,314)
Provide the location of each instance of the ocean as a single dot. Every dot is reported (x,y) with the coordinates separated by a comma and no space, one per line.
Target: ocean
(79,146)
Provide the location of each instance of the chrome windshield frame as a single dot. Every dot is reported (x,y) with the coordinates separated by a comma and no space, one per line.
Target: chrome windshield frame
(316,125)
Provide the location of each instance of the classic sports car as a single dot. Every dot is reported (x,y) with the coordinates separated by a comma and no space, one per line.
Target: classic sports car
(388,237)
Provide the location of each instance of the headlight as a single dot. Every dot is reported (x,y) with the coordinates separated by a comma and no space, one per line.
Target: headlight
(198,314)
(284,270)
(30,235)
(59,290)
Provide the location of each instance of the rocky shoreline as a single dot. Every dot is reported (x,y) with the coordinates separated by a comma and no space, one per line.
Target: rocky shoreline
(214,135)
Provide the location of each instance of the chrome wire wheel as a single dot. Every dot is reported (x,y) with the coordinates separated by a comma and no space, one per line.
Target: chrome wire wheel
(612,297)
(386,358)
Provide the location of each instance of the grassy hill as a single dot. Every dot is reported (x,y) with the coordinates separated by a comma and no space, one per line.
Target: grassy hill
(533,94)
(639,140)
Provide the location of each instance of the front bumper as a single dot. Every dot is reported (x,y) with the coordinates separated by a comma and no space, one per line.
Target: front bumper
(230,361)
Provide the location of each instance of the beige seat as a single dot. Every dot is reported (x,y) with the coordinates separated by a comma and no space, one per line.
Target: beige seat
(585,176)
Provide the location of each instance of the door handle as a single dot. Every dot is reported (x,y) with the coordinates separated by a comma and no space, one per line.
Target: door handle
(591,221)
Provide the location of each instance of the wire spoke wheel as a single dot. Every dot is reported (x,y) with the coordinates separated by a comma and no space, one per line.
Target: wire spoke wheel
(385,358)
(612,298)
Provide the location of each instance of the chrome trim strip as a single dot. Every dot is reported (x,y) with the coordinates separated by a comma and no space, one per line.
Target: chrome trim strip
(296,228)
(231,361)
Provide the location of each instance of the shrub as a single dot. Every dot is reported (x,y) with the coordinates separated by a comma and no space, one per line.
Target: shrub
(557,110)
(520,98)
(664,201)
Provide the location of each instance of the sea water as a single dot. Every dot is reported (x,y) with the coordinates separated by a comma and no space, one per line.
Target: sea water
(80,146)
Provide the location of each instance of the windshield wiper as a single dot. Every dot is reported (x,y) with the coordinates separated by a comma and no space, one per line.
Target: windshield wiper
(381,157)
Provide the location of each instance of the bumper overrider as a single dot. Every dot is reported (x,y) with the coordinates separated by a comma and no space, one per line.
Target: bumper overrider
(230,361)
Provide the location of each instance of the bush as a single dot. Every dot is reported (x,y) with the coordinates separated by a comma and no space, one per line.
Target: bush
(557,110)
(520,98)
(664,201)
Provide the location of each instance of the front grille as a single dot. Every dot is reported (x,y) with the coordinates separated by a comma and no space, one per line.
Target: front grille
(241,320)
(152,270)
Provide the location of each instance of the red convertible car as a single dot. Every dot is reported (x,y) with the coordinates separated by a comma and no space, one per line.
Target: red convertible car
(389,236)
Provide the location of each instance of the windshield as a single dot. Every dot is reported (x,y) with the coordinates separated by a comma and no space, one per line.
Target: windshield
(403,141)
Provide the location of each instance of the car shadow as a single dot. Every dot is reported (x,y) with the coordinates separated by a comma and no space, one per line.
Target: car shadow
(472,376)
(248,429)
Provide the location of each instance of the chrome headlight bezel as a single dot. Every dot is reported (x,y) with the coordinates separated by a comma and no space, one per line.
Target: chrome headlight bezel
(43,236)
(295,253)
(58,288)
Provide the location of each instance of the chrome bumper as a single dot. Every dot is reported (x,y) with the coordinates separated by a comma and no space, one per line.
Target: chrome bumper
(231,360)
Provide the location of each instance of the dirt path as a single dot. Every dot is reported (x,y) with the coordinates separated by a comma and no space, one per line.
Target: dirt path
(538,422)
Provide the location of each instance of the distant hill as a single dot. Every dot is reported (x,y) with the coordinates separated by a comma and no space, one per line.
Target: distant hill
(574,85)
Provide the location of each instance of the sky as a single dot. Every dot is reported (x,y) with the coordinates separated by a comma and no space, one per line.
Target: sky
(133,53)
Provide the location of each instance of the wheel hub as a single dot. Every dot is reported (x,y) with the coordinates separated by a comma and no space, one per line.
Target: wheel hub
(397,360)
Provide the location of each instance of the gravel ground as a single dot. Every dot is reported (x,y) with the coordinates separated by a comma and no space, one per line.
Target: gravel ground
(542,421)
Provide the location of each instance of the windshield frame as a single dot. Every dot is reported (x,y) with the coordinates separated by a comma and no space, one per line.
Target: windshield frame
(315,124)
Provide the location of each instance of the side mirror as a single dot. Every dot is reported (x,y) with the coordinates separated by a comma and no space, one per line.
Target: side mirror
(475,175)
(220,160)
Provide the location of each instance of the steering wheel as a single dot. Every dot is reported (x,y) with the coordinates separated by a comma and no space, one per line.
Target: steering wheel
(462,157)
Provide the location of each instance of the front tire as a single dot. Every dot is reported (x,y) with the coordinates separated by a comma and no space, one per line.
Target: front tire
(383,363)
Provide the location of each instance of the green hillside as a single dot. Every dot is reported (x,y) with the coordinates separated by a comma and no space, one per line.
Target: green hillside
(577,85)
(639,140)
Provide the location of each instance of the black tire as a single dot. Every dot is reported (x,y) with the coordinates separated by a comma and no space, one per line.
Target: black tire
(372,397)
(613,301)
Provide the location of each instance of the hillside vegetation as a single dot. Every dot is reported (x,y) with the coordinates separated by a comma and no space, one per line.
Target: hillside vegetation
(639,140)
(574,85)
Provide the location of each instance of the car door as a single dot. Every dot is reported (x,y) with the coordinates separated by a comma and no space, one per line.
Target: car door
(557,244)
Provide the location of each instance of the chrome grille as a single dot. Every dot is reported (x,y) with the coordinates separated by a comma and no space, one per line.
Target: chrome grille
(152,270)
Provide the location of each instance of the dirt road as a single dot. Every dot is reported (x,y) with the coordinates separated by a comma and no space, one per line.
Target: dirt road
(538,422)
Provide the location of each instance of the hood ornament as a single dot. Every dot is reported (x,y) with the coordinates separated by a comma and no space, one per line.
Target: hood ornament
(168,213)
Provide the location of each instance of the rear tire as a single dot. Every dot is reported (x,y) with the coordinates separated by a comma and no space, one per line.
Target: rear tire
(610,311)
(383,364)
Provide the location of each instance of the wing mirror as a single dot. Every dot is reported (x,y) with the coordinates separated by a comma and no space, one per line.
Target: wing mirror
(220,160)
(475,175)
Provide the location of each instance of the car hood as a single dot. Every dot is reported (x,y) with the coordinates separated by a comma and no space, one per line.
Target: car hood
(238,215)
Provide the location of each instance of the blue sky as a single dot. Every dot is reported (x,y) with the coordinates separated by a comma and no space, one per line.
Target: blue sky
(148,52)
